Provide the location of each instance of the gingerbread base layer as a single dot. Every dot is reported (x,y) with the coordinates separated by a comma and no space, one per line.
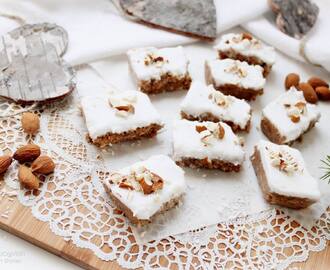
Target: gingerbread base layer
(271,197)
(252,60)
(130,215)
(136,134)
(231,89)
(208,164)
(273,134)
(167,83)
(210,117)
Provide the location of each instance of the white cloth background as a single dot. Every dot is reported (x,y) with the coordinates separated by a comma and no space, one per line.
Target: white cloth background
(97,30)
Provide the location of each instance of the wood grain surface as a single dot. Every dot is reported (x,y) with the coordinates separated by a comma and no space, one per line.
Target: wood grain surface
(21,223)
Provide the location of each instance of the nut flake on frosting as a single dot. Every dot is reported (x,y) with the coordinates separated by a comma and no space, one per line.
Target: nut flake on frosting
(291,114)
(118,112)
(286,171)
(152,183)
(139,179)
(202,99)
(214,141)
(235,72)
(151,63)
(246,45)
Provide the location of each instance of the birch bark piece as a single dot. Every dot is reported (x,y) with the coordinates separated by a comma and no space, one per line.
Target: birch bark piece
(295,17)
(191,17)
(31,67)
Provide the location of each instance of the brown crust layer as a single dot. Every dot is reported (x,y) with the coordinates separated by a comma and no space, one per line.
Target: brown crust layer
(130,215)
(271,197)
(273,134)
(252,60)
(136,134)
(208,164)
(166,83)
(210,117)
(231,89)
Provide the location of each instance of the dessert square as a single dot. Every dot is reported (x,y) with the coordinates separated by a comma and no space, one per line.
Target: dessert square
(235,78)
(207,145)
(120,117)
(245,47)
(283,177)
(204,103)
(288,117)
(160,70)
(147,188)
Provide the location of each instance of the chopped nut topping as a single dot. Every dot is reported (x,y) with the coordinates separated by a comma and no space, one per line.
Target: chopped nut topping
(235,69)
(283,161)
(295,111)
(152,59)
(246,35)
(211,132)
(221,132)
(220,99)
(140,179)
(122,105)
(199,129)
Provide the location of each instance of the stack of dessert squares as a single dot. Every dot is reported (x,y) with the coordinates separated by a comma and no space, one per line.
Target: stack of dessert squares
(213,115)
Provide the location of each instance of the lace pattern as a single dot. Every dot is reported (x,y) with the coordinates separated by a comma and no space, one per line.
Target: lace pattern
(74,204)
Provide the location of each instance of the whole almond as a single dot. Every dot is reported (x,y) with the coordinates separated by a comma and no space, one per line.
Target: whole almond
(309,92)
(43,165)
(27,178)
(27,153)
(316,82)
(323,92)
(30,123)
(5,162)
(292,79)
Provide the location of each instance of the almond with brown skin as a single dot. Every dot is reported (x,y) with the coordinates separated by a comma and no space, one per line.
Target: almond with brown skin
(200,129)
(221,133)
(292,79)
(5,162)
(27,178)
(323,92)
(30,123)
(295,118)
(27,153)
(43,165)
(316,82)
(309,92)
(247,36)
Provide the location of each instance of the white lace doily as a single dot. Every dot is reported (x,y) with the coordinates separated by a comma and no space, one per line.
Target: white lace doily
(74,204)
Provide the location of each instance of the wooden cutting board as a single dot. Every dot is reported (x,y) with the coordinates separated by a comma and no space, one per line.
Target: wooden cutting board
(20,222)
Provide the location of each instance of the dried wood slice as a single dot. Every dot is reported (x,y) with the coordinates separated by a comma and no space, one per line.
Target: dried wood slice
(191,17)
(295,18)
(31,67)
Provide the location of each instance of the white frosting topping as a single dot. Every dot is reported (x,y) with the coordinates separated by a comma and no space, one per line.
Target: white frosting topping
(102,117)
(280,111)
(144,206)
(150,63)
(229,71)
(247,47)
(296,181)
(189,143)
(202,99)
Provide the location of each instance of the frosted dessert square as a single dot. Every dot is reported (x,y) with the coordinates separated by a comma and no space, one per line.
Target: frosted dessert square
(235,78)
(204,103)
(283,177)
(206,145)
(245,47)
(120,117)
(288,117)
(147,188)
(159,70)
